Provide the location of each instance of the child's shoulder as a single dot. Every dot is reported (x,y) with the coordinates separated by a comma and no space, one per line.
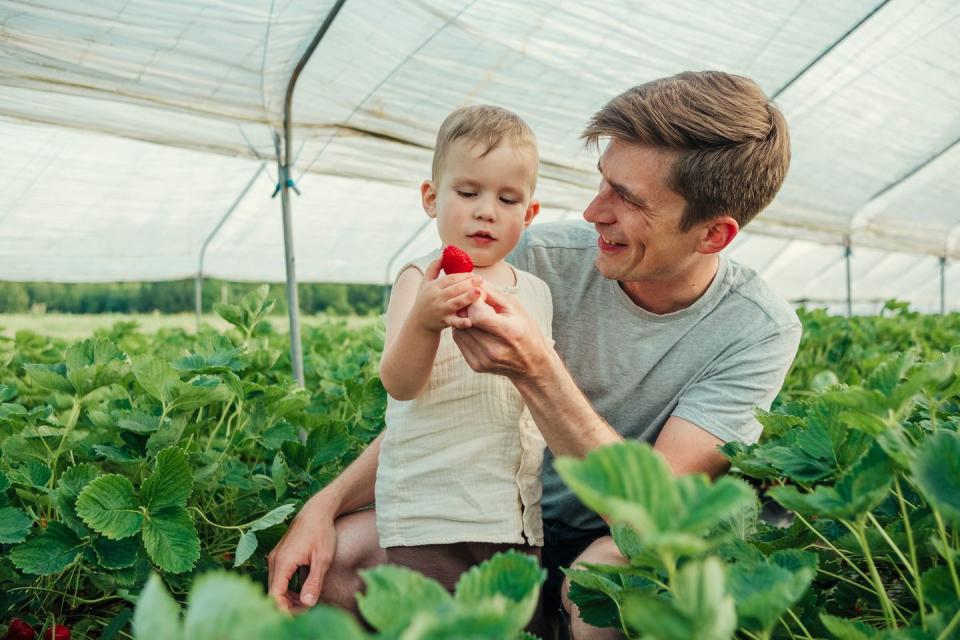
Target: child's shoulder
(419,263)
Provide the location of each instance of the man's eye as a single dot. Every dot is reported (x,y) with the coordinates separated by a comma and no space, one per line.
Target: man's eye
(466,194)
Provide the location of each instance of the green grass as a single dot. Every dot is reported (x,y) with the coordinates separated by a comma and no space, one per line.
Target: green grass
(76,326)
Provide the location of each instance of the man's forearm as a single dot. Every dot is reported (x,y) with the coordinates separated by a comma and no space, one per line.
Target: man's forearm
(352,489)
(563,414)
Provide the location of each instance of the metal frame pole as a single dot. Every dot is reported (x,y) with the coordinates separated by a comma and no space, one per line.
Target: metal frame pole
(393,258)
(943,285)
(198,286)
(847,253)
(284,182)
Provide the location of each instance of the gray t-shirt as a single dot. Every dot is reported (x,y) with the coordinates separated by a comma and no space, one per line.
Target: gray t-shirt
(711,364)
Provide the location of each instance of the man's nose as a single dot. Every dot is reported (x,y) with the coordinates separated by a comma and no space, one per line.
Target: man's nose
(599,208)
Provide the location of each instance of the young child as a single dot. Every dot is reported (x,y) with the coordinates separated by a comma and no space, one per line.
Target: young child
(458,477)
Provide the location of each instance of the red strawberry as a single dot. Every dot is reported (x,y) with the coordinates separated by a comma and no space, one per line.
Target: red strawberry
(20,630)
(59,632)
(455,260)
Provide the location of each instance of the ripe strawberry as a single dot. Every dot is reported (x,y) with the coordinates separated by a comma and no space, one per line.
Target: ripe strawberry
(455,260)
(20,630)
(59,632)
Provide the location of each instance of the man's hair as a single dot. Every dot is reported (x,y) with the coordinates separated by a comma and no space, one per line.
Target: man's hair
(731,144)
(481,124)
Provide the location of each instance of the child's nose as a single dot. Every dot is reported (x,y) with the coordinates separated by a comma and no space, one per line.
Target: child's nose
(486,210)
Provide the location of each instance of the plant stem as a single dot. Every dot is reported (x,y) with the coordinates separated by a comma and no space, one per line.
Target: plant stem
(833,548)
(67,431)
(954,621)
(859,531)
(912,548)
(799,623)
(946,549)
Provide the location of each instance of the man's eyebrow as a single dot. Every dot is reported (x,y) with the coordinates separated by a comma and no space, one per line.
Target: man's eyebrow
(622,191)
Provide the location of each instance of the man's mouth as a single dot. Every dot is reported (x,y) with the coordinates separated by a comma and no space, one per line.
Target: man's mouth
(611,243)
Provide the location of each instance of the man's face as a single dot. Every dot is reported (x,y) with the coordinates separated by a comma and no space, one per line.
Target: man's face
(638,217)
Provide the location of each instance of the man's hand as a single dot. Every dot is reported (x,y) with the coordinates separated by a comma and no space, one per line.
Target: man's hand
(311,542)
(503,339)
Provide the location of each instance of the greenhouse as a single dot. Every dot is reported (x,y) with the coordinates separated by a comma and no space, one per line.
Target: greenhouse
(146,475)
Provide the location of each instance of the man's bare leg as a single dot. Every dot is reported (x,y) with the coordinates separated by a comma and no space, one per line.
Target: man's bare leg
(358,548)
(601,551)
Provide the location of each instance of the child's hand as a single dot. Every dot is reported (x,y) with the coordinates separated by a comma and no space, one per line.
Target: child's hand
(440,298)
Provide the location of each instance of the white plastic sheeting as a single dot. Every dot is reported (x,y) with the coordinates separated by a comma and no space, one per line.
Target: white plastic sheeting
(129,128)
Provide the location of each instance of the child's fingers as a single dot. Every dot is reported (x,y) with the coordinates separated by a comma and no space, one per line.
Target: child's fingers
(463,300)
(458,322)
(455,280)
(432,272)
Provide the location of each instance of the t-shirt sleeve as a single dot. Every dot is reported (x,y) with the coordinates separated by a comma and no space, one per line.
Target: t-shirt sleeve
(520,256)
(724,400)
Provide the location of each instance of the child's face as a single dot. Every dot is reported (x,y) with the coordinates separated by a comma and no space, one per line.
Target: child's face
(483,204)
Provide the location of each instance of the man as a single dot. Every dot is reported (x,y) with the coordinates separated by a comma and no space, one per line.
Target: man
(658,337)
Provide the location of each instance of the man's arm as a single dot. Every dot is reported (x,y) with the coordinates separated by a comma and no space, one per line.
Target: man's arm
(506,341)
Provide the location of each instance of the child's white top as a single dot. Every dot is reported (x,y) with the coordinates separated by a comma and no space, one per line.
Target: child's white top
(461,463)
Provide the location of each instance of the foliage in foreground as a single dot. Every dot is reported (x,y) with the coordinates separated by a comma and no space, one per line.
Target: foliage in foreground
(493,601)
(127,453)
(872,473)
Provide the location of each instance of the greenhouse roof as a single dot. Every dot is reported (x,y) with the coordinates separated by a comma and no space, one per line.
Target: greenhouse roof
(134,130)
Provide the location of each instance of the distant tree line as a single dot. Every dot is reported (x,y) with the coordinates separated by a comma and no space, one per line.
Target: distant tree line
(178,297)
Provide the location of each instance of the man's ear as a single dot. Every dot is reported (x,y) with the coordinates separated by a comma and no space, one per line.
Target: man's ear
(428,196)
(532,210)
(718,234)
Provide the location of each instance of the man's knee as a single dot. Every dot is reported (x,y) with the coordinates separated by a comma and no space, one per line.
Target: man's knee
(601,551)
(358,548)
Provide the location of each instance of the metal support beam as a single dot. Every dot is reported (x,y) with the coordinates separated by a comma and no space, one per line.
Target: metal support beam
(393,258)
(847,253)
(198,285)
(284,182)
(943,285)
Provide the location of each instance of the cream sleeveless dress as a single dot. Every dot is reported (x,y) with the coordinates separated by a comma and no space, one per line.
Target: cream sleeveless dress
(461,463)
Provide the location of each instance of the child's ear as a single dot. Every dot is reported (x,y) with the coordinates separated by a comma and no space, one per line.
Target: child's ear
(532,210)
(428,196)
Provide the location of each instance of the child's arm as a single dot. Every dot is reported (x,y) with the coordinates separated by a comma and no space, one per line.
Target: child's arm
(421,306)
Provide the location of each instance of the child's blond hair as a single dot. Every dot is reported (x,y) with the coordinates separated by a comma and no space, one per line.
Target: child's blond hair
(481,124)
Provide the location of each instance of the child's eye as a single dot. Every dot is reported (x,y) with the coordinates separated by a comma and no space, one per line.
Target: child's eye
(508,200)
(466,194)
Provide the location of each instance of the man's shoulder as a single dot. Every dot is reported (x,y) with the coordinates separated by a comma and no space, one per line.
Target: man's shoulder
(572,234)
(749,288)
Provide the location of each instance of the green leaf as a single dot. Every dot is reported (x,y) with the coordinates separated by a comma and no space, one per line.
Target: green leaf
(858,490)
(116,554)
(156,377)
(171,539)
(15,524)
(4,482)
(107,505)
(936,471)
(395,594)
(157,614)
(279,472)
(273,517)
(64,497)
(279,433)
(334,623)
(938,588)
(630,472)
(171,481)
(168,435)
(764,590)
(138,422)
(514,575)
(843,629)
(199,392)
(51,377)
(702,608)
(229,607)
(245,548)
(47,551)
(485,620)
